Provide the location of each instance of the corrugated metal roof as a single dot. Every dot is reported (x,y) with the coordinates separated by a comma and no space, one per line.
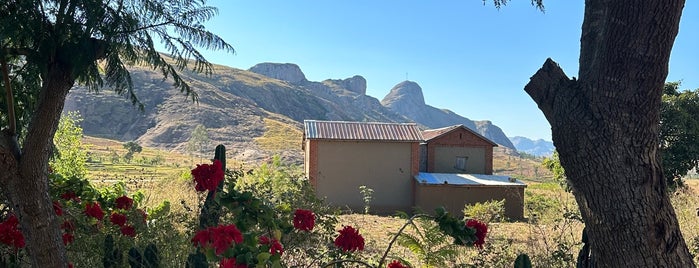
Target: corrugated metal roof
(467,179)
(342,130)
(434,133)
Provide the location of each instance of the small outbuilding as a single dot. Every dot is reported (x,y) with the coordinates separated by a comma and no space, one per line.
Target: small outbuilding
(455,191)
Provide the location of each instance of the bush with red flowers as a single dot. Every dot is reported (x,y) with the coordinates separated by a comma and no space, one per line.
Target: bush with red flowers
(349,239)
(10,234)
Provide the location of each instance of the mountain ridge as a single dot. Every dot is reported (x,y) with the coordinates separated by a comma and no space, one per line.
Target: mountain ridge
(233,105)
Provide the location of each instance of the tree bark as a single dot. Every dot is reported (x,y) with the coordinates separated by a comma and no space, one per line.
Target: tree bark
(605,128)
(26,183)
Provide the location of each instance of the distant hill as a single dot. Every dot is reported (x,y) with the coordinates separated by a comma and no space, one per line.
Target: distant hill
(406,98)
(534,147)
(242,109)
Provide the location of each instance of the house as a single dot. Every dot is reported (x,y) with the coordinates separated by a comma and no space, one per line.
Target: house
(456,169)
(406,167)
(342,156)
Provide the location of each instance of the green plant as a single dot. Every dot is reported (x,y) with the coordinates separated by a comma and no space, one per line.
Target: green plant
(367,195)
(489,211)
(69,157)
(428,243)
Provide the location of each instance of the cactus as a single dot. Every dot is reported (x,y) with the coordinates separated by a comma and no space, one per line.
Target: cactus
(211,211)
(523,261)
(135,258)
(112,255)
(151,258)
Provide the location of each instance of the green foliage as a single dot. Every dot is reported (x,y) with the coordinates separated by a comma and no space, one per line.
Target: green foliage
(428,243)
(70,157)
(284,188)
(553,164)
(199,140)
(540,206)
(679,132)
(120,33)
(132,148)
(489,211)
(367,195)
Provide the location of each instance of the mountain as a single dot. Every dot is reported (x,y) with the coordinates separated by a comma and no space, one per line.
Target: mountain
(256,113)
(406,98)
(534,147)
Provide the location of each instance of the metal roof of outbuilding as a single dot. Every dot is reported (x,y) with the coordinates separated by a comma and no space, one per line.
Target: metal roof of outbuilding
(431,134)
(467,179)
(343,130)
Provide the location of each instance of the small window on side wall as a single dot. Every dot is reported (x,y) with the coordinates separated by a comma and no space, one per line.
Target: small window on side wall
(461,163)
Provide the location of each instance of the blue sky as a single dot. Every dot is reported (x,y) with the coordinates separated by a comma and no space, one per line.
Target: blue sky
(468,57)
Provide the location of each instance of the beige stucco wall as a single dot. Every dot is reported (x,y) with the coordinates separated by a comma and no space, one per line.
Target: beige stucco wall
(455,197)
(385,167)
(445,159)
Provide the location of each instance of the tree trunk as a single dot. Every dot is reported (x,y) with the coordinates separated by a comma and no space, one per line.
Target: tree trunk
(605,128)
(26,183)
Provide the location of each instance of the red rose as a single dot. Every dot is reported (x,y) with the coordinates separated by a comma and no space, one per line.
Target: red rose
(57,208)
(118,219)
(207,177)
(124,202)
(274,246)
(349,239)
(68,238)
(481,231)
(10,234)
(396,264)
(94,210)
(304,220)
(128,230)
(220,237)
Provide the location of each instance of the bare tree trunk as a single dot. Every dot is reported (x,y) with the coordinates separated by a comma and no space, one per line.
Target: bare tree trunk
(26,183)
(605,128)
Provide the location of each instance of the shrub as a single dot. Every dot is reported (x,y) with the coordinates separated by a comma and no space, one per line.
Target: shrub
(489,211)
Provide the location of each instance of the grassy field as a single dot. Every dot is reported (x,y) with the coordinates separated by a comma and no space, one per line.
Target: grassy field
(551,235)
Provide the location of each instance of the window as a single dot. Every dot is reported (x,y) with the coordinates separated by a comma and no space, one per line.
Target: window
(461,163)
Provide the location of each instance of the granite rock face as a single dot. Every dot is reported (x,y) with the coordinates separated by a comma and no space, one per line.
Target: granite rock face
(283,71)
(406,99)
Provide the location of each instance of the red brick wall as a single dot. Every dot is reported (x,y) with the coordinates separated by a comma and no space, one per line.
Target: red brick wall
(312,161)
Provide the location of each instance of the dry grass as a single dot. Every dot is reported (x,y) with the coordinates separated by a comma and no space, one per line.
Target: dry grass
(280,137)
(541,237)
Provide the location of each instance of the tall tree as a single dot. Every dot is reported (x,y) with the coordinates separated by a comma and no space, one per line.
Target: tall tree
(70,157)
(46,47)
(679,132)
(199,140)
(605,128)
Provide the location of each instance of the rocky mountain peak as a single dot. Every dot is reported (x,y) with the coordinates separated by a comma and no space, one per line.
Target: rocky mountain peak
(283,71)
(356,84)
(406,92)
